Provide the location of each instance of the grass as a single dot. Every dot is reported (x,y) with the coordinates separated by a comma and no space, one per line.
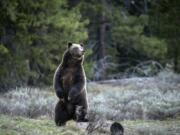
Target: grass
(152,127)
(144,106)
(17,125)
(155,98)
(28,102)
(127,99)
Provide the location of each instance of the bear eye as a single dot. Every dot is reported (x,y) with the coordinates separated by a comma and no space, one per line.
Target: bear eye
(81,49)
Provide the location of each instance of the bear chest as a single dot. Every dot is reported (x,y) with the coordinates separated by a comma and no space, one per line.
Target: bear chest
(68,78)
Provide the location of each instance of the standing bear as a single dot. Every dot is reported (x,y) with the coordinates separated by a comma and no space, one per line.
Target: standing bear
(70,86)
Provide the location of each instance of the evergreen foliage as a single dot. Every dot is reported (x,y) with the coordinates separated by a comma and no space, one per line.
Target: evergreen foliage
(118,35)
(34,35)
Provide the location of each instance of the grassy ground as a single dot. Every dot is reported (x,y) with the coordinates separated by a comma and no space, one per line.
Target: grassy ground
(152,127)
(144,106)
(17,125)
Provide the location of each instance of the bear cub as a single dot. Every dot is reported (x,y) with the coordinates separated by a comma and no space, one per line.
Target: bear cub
(70,86)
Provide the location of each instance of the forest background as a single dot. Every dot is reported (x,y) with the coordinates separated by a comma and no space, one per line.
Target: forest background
(123,38)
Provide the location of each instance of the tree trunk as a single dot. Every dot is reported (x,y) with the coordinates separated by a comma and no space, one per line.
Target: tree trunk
(176,63)
(102,35)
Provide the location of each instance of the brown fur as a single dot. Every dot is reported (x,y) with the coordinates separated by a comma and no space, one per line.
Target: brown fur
(70,87)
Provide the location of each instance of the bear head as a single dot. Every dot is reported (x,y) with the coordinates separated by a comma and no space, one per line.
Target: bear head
(76,50)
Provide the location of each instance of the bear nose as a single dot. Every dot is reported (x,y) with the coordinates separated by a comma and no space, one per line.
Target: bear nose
(83,51)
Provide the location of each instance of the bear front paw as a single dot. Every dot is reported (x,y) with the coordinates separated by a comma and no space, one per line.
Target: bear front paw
(62,99)
(71,99)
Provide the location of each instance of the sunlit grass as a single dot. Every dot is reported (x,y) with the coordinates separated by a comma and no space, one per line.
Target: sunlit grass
(44,126)
(17,125)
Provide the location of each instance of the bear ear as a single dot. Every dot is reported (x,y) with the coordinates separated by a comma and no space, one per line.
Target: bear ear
(69,44)
(82,44)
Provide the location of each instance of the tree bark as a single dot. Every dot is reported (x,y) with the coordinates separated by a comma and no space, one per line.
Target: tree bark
(102,35)
(176,56)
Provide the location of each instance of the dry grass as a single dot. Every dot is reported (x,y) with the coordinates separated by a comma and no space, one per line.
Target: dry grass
(138,103)
(29,102)
(137,98)
(134,98)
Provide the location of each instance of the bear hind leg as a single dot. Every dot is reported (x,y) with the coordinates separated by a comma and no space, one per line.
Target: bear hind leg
(61,114)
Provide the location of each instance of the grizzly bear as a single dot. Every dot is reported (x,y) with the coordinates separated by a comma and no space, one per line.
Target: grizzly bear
(70,86)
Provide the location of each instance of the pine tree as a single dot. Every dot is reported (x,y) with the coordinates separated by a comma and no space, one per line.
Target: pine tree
(34,34)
